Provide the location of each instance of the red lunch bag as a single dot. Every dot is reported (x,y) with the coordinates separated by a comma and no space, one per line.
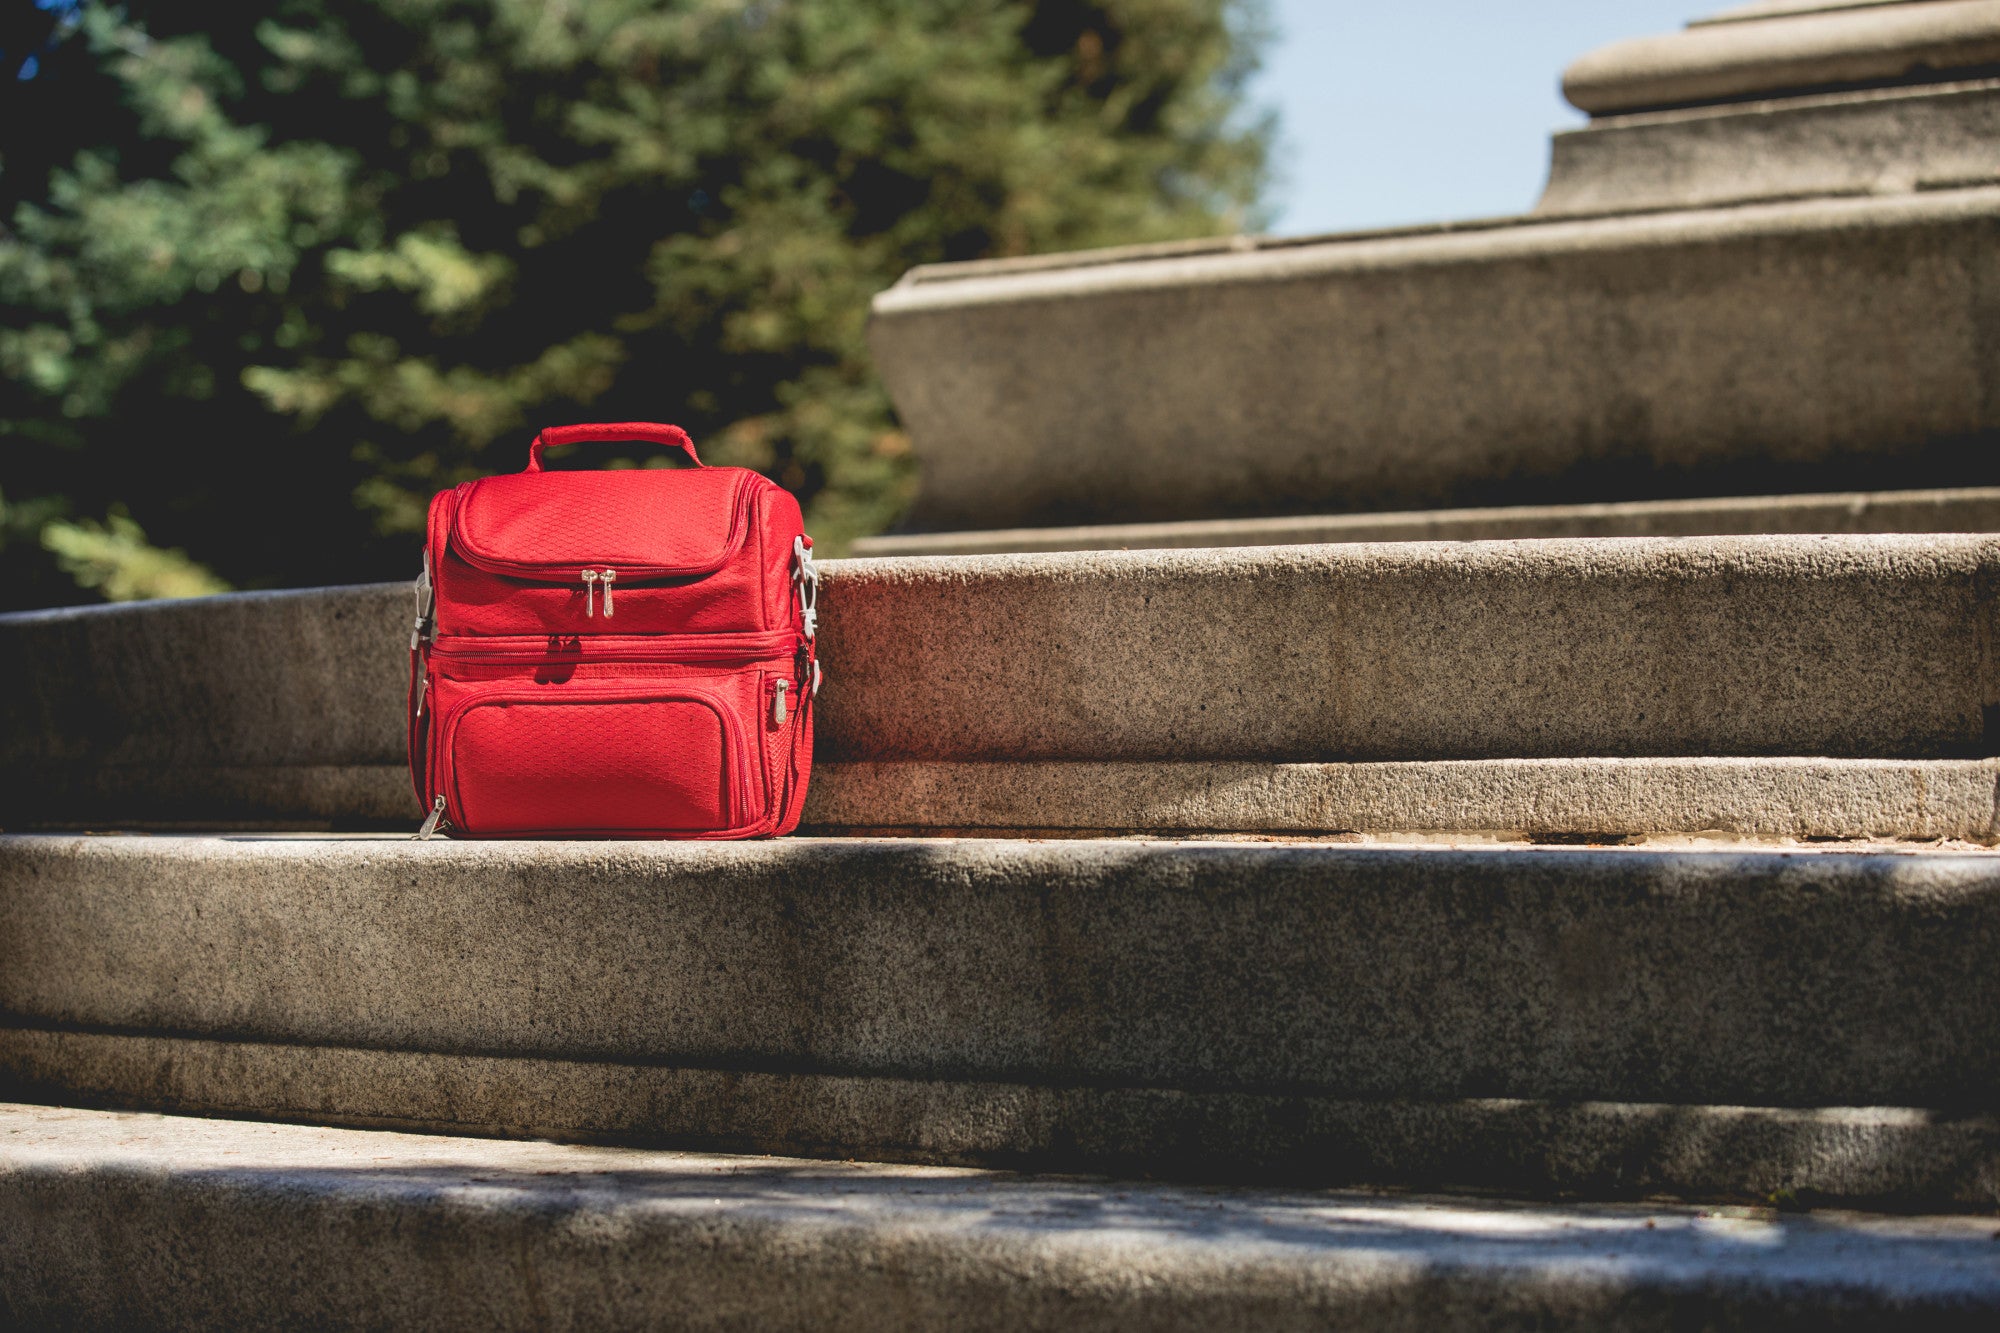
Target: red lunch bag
(625,653)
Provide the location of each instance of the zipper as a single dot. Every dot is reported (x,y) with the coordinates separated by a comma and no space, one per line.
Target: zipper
(778,689)
(525,649)
(436,820)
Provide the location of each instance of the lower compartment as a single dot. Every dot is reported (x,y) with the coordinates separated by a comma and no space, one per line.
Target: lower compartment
(666,762)
(666,756)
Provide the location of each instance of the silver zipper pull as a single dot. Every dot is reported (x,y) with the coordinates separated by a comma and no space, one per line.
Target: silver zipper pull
(778,702)
(607,577)
(431,824)
(423,684)
(589,590)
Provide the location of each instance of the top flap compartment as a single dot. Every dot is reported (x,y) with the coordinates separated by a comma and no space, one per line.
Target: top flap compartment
(645,522)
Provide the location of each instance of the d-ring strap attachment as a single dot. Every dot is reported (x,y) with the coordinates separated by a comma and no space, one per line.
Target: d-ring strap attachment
(805,580)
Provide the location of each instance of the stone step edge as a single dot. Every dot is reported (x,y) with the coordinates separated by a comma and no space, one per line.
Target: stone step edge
(1960,509)
(1751,54)
(1896,1158)
(1776,798)
(373,1229)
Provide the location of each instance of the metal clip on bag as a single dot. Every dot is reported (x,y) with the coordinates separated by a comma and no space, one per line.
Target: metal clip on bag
(614,654)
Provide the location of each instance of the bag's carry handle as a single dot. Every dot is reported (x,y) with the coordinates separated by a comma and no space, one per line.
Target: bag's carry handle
(651,431)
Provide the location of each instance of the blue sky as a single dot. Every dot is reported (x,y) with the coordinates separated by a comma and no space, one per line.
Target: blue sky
(1424,110)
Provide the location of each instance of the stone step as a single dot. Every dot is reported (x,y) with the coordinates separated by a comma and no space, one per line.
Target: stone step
(1869,142)
(119,1221)
(1321,688)
(1604,800)
(1615,1023)
(1768,50)
(1779,346)
(1788,99)
(1961,509)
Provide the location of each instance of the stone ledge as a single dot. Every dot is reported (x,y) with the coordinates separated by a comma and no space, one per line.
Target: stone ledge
(1756,798)
(1889,1157)
(1773,52)
(1721,977)
(1774,799)
(1882,141)
(244,691)
(1758,349)
(1262,664)
(124,1220)
(1835,646)
(1962,509)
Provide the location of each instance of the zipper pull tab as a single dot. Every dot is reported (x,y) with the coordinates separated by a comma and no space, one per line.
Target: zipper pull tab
(589,590)
(778,713)
(606,579)
(431,824)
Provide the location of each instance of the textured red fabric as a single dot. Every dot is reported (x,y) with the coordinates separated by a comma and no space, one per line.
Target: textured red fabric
(536,710)
(652,521)
(557,436)
(594,762)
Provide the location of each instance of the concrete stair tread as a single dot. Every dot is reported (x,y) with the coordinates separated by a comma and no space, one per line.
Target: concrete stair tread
(1733,1021)
(272,1224)
(1307,672)
(1768,50)
(1775,801)
(1955,509)
(1762,347)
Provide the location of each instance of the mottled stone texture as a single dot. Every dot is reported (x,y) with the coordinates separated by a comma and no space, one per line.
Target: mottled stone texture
(253,706)
(1952,509)
(1700,977)
(1878,141)
(1605,798)
(1781,48)
(1717,646)
(1751,350)
(290,706)
(128,1221)
(1896,1157)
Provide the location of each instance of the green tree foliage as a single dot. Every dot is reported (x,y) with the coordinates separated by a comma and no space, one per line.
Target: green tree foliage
(271,275)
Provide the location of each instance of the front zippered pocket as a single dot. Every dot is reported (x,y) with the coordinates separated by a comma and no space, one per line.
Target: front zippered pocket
(602,757)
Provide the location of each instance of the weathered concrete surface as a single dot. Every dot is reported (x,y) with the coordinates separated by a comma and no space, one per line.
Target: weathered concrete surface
(1891,1157)
(1863,647)
(1775,798)
(1729,978)
(1770,798)
(290,706)
(1754,52)
(287,1225)
(1764,9)
(1768,348)
(1962,509)
(1878,141)
(253,706)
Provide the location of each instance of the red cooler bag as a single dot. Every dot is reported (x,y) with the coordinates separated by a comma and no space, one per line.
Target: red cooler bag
(625,653)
